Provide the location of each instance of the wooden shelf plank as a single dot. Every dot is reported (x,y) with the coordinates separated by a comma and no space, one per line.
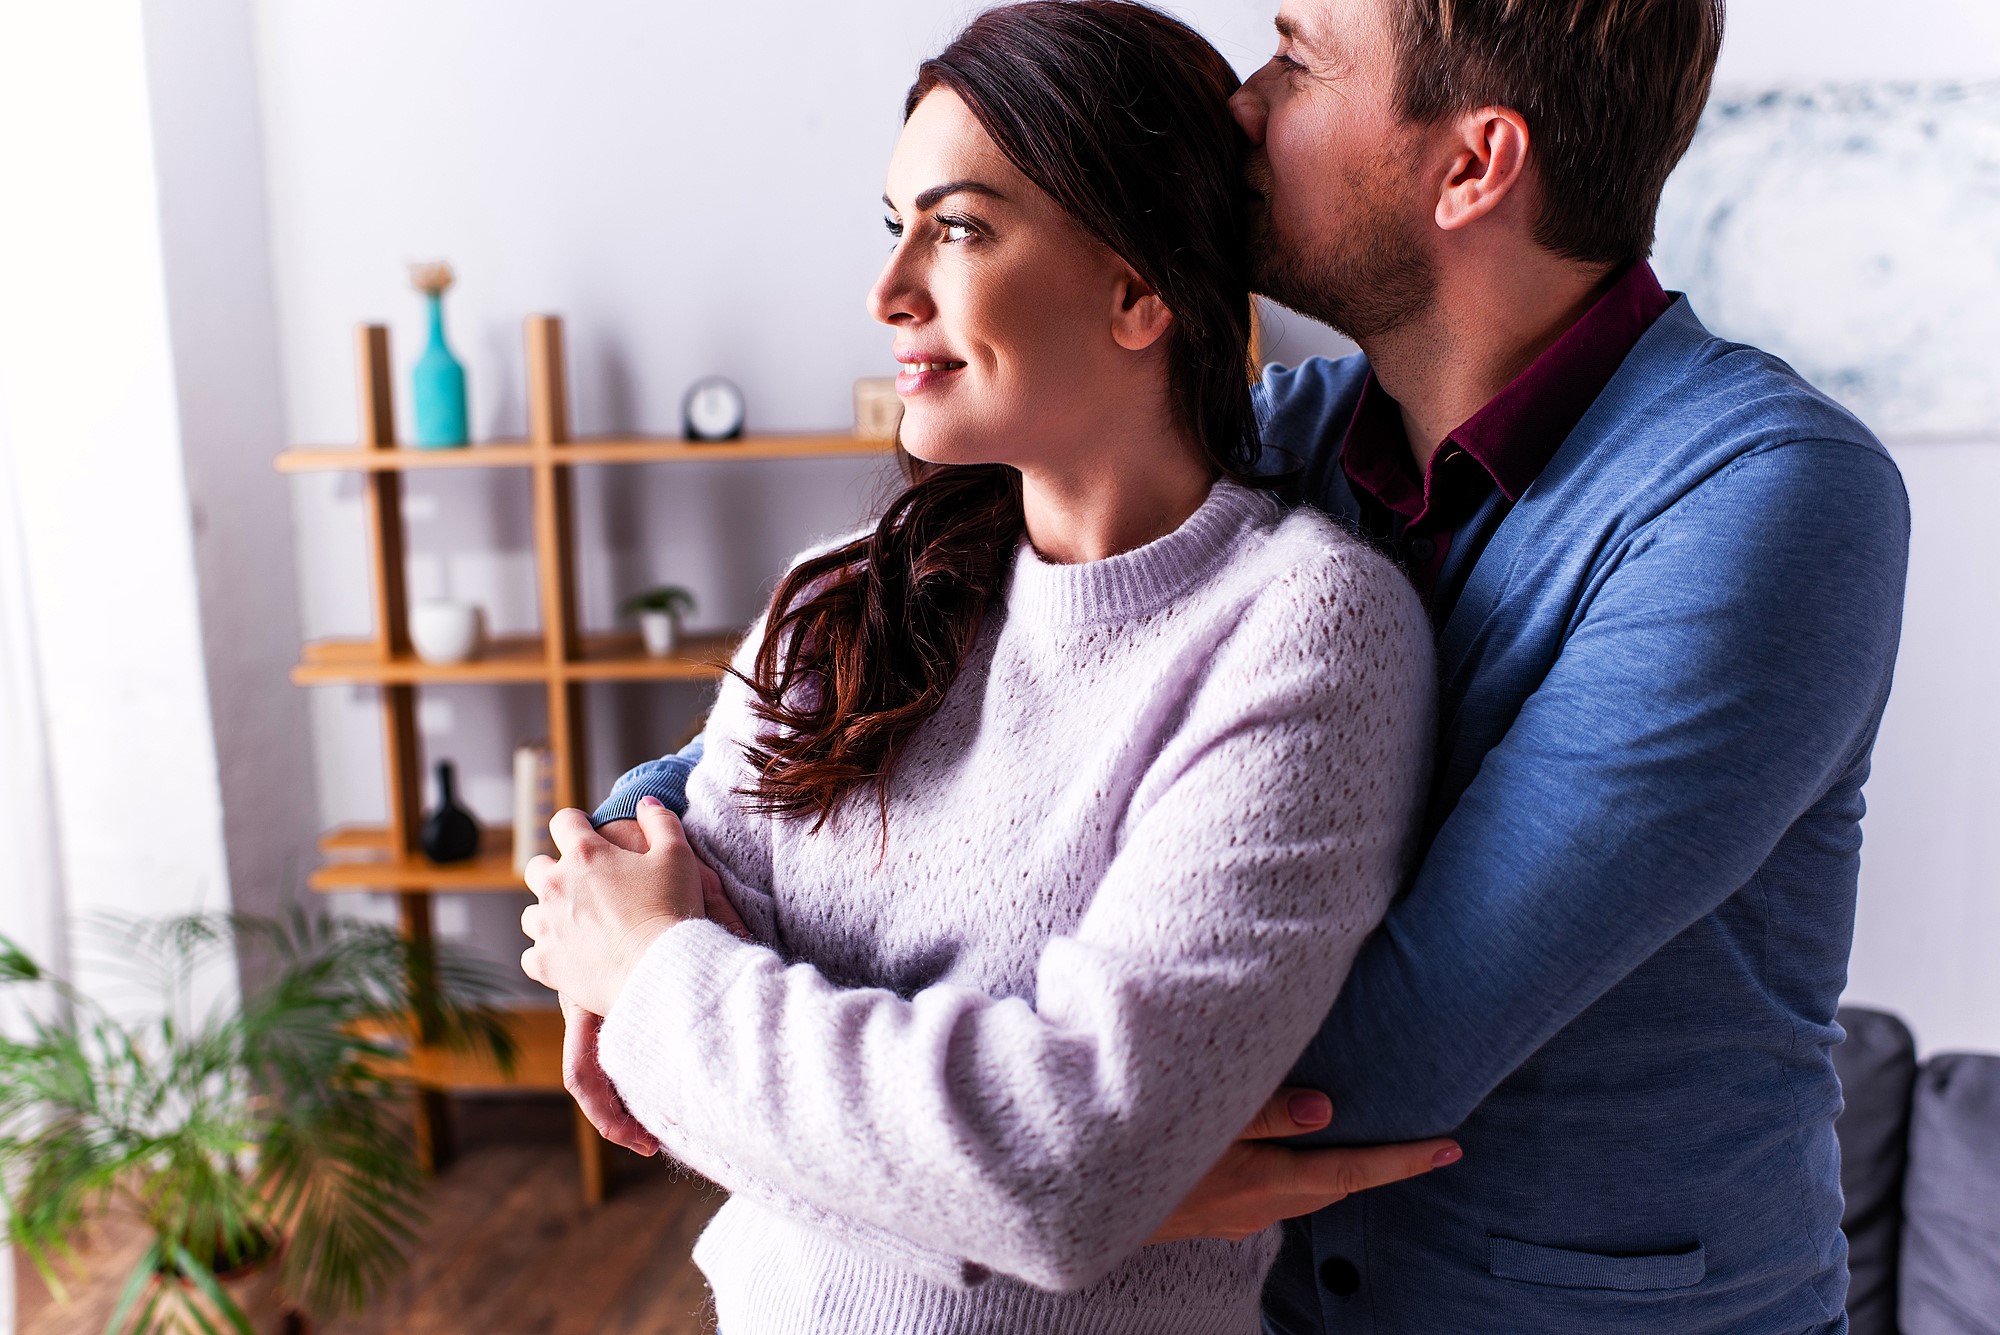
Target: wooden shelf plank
(364,861)
(601,450)
(355,838)
(314,459)
(537,1035)
(667,449)
(517,658)
(504,658)
(621,657)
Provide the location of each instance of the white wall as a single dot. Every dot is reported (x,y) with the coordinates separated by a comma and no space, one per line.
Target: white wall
(694,188)
(1770,42)
(1928,932)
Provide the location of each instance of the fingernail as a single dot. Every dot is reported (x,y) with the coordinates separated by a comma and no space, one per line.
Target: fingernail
(1309,1109)
(1450,1154)
(650,801)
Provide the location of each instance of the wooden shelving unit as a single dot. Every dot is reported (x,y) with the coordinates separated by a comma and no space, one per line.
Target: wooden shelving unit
(387,858)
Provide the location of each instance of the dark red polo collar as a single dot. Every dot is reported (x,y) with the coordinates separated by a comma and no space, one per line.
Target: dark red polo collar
(1507,443)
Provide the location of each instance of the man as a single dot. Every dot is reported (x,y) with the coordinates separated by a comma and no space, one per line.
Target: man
(1666,577)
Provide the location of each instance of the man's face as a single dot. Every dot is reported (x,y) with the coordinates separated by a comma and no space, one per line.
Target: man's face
(1342,225)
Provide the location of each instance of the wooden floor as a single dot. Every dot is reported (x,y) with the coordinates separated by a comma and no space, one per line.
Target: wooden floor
(509,1248)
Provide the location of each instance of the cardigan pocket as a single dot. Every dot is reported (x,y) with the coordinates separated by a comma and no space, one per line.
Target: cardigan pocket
(1558,1267)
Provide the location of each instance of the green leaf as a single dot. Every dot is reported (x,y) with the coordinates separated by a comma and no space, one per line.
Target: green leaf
(146,1272)
(662,598)
(156,1296)
(205,1280)
(16,966)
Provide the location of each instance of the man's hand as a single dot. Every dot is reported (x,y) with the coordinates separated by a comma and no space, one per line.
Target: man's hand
(1252,1186)
(584,1078)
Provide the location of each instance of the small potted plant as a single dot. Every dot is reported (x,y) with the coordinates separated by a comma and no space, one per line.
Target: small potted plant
(262,1139)
(659,610)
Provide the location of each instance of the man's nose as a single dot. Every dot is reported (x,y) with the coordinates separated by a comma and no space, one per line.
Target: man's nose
(1247,105)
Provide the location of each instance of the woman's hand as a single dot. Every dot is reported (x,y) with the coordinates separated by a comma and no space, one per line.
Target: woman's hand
(584,1078)
(599,907)
(583,1075)
(625,833)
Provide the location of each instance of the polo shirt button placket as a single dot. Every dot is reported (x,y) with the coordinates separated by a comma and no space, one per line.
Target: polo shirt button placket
(1339,1276)
(1422,549)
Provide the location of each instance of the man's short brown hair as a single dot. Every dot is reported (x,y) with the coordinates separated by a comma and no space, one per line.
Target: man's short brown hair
(1611,91)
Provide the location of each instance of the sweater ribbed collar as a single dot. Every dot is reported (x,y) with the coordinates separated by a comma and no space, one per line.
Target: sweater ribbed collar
(1143,580)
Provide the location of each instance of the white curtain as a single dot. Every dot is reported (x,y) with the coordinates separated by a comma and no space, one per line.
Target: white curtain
(31,899)
(31,902)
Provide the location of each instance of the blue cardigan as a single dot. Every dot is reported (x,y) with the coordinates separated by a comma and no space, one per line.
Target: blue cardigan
(1614,975)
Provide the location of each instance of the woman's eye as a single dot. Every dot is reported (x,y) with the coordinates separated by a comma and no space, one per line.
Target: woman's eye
(895,228)
(954,229)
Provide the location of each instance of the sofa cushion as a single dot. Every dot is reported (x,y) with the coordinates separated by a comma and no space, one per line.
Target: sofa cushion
(1877,1064)
(1951,1199)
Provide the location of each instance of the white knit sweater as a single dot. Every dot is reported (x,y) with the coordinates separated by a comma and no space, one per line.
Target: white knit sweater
(1128,865)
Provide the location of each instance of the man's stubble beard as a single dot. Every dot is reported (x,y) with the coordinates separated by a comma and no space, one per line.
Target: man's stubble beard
(1369,281)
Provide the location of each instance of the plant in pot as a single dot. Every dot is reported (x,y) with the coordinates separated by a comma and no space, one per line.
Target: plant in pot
(659,610)
(265,1135)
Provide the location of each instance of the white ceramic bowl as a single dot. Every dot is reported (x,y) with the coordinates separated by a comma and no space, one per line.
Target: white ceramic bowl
(444,630)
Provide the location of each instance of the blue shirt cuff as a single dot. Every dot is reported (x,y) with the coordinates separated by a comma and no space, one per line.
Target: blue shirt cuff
(665,778)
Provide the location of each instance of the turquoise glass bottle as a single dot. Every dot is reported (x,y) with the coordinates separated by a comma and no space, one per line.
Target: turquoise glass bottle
(439,390)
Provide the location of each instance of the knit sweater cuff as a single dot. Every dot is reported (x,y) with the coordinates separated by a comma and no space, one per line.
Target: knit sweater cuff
(675,982)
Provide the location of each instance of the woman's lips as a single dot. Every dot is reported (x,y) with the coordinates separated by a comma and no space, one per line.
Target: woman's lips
(913,377)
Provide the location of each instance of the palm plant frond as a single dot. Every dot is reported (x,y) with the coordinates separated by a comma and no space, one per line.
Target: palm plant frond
(270,1118)
(352,1173)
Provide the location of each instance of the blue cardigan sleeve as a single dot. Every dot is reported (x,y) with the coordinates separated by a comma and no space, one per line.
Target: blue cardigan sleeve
(665,778)
(1726,671)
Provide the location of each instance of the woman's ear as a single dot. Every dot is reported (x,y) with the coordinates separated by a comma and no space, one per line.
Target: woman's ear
(1138,317)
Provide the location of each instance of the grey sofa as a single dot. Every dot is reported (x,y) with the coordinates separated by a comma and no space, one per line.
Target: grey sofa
(1920,1165)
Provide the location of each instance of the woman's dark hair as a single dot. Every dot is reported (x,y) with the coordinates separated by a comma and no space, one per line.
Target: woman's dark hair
(1119,113)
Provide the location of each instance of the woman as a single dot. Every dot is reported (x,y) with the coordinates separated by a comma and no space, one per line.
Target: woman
(1057,804)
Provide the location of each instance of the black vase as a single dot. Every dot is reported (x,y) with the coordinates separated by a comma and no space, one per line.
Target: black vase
(450,832)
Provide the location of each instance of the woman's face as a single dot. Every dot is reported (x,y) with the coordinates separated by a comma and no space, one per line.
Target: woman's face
(1005,310)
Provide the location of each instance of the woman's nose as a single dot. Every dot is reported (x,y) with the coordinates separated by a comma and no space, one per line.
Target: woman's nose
(1247,104)
(896,297)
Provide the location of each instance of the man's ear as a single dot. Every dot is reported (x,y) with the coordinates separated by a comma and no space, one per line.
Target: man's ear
(1139,319)
(1489,163)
